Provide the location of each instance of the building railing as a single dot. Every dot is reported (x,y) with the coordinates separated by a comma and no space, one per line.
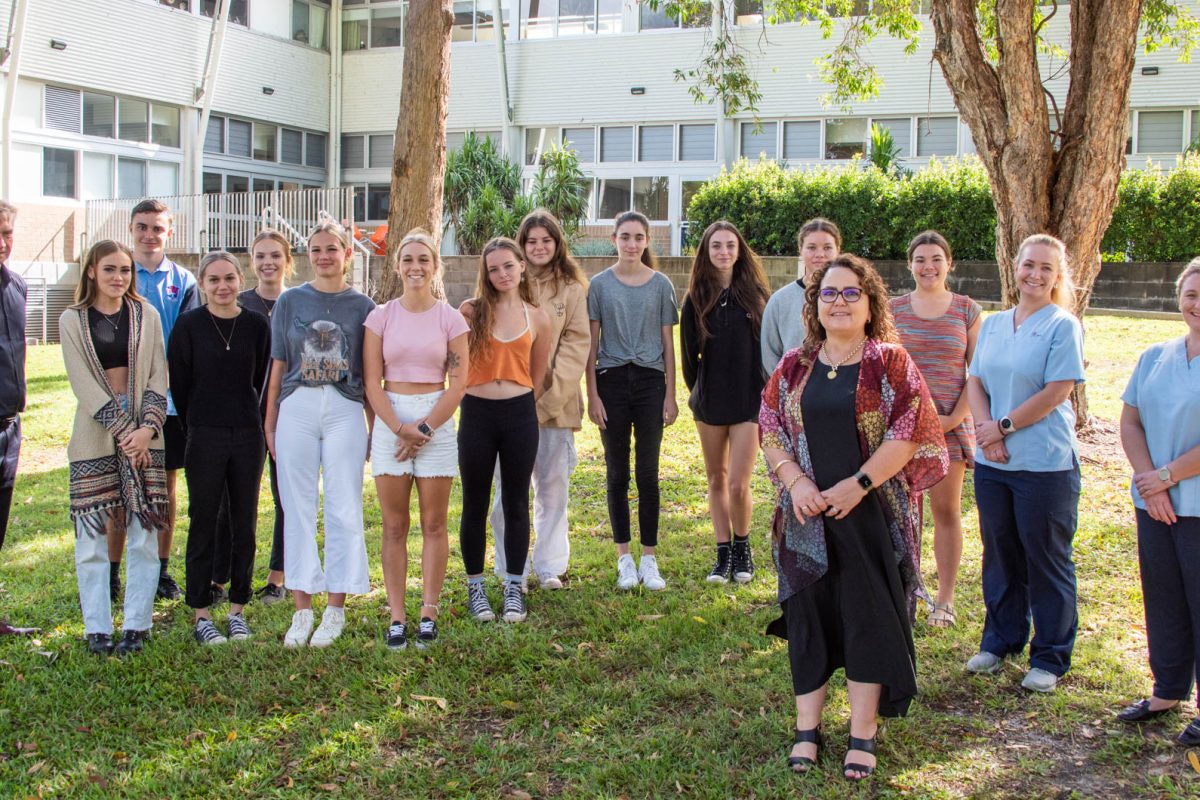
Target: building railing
(227,221)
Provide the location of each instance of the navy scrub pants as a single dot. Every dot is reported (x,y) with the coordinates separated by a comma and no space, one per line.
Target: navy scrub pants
(1168,555)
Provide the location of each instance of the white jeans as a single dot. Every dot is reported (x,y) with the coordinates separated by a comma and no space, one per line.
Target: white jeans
(556,460)
(322,435)
(141,579)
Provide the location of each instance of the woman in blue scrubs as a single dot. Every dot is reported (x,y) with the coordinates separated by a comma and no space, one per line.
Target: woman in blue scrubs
(1160,431)
(1026,362)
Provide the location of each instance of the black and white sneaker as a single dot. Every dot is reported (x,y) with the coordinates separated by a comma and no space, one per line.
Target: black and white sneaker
(100,644)
(514,603)
(427,633)
(239,630)
(722,571)
(397,636)
(743,563)
(477,603)
(217,595)
(168,589)
(271,594)
(206,633)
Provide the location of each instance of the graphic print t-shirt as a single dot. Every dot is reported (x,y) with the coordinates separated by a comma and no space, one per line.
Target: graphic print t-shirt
(319,336)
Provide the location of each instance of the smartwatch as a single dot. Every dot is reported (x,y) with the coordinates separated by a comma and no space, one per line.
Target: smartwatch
(864,480)
(424,428)
(1164,475)
(1006,426)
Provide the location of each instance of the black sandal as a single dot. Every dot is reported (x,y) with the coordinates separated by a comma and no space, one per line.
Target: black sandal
(862,745)
(802,764)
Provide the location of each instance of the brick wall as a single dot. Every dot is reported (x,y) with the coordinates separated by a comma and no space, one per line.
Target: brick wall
(47,233)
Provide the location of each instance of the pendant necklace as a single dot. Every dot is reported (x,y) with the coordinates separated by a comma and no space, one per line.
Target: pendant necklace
(108,318)
(833,368)
(263,303)
(232,328)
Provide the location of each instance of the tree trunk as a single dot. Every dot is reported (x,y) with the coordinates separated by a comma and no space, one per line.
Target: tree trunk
(419,157)
(1070,191)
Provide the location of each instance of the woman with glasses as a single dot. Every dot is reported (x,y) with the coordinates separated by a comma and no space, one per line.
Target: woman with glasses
(850,434)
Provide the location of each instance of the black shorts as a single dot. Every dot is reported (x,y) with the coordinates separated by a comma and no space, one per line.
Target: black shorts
(174,443)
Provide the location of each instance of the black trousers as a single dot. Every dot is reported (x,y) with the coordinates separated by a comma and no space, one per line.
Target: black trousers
(633,399)
(1168,555)
(487,430)
(10,449)
(221,463)
(221,560)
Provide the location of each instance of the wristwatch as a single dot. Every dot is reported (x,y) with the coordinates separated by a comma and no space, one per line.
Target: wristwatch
(424,428)
(1006,426)
(864,480)
(1164,475)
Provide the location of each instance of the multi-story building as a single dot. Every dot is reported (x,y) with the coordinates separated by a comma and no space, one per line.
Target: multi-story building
(125,98)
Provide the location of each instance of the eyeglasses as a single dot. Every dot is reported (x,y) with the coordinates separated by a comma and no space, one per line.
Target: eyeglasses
(850,294)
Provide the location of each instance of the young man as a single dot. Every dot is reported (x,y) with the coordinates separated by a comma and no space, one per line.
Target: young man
(12,375)
(171,289)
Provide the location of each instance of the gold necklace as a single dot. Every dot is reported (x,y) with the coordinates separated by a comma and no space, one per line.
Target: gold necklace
(833,368)
(232,328)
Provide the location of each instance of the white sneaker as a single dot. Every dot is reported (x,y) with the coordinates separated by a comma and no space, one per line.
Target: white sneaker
(984,663)
(1039,680)
(648,572)
(549,580)
(627,574)
(332,622)
(302,625)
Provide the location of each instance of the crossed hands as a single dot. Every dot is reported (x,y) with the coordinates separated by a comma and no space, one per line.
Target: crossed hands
(136,447)
(837,501)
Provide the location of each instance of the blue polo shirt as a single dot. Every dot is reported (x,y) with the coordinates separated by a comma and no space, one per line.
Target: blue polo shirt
(172,290)
(1016,365)
(1165,389)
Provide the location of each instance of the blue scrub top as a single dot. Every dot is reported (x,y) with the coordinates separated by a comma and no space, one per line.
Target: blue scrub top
(172,290)
(1165,389)
(1016,365)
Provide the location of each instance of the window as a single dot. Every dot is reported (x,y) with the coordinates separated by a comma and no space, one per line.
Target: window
(182,5)
(540,19)
(937,136)
(616,144)
(649,19)
(237,183)
(360,202)
(291,147)
(133,120)
(801,140)
(314,149)
(379,198)
(211,183)
(131,177)
(537,142)
(356,29)
(58,172)
(901,130)
(697,142)
(238,14)
(1159,131)
(582,141)
(759,143)
(164,125)
(310,23)
(264,185)
(162,179)
(99,111)
(97,177)
(63,108)
(650,197)
(380,151)
(845,137)
(264,142)
(474,21)
(353,153)
(748,12)
(689,191)
(615,197)
(214,137)
(239,138)
(656,142)
(387,27)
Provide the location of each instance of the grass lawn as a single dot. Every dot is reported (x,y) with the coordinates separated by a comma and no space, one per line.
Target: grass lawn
(600,694)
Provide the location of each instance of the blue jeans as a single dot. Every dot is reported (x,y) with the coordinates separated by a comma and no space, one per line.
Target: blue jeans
(1027,522)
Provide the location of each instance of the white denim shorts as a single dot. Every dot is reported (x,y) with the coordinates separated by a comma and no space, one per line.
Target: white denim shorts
(437,458)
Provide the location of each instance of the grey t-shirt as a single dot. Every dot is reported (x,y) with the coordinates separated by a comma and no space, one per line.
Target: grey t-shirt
(631,319)
(319,335)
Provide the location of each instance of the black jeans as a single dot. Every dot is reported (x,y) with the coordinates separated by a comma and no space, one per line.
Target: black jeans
(10,449)
(221,559)
(487,429)
(633,399)
(221,463)
(1168,555)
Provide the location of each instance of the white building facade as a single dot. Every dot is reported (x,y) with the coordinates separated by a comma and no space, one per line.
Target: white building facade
(128,98)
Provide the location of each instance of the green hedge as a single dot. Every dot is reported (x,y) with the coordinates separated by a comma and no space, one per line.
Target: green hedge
(1157,218)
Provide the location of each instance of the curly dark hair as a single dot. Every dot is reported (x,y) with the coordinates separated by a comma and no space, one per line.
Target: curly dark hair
(880,325)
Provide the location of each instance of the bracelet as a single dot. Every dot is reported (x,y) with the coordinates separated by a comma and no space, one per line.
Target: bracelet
(792,483)
(780,463)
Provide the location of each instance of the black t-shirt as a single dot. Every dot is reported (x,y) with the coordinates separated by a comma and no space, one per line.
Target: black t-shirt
(110,337)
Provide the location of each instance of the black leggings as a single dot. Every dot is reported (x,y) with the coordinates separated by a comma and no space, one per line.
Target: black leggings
(633,399)
(488,429)
(221,462)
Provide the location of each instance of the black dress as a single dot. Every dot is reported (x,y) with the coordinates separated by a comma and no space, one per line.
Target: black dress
(855,616)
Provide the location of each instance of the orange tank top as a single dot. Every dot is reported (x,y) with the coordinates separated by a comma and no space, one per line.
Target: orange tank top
(506,360)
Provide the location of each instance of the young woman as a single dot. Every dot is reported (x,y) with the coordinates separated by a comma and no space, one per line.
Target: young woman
(413,345)
(217,360)
(559,288)
(1160,430)
(1026,362)
(819,242)
(939,329)
(316,430)
(850,435)
(113,349)
(631,386)
(509,345)
(719,337)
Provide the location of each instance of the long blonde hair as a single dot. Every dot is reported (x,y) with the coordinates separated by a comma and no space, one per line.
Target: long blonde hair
(1062,294)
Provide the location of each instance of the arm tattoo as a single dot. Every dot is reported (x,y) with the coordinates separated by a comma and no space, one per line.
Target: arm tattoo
(452,361)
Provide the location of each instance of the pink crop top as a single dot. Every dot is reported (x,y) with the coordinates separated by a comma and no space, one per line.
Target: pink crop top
(415,344)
